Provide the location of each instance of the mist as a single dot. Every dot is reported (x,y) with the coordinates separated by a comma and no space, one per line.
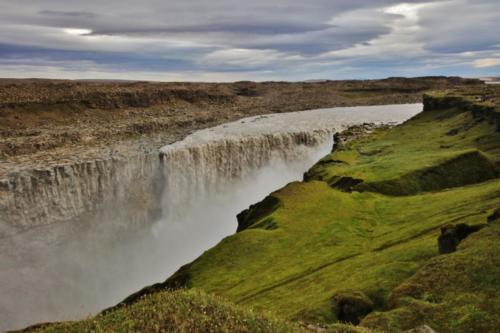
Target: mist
(65,272)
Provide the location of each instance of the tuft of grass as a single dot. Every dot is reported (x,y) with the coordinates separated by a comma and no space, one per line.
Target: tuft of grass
(175,311)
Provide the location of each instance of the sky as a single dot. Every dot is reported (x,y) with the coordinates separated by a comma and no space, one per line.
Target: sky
(259,40)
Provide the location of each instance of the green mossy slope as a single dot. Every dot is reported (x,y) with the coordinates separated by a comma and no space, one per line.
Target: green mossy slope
(440,167)
(436,149)
(457,292)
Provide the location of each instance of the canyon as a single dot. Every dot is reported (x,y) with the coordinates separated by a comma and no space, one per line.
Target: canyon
(108,187)
(83,236)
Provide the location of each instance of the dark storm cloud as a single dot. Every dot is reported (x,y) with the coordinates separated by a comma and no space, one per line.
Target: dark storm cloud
(282,39)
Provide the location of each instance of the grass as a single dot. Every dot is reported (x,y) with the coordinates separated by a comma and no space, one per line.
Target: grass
(176,311)
(185,311)
(328,241)
(429,140)
(459,292)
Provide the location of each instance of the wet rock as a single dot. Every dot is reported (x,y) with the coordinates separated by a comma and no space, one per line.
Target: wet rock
(421,329)
(350,306)
(452,235)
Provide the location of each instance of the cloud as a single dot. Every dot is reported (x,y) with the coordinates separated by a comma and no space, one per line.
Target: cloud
(283,39)
(488,62)
(401,41)
(248,58)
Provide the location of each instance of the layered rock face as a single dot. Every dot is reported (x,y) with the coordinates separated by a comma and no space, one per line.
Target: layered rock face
(31,198)
(37,197)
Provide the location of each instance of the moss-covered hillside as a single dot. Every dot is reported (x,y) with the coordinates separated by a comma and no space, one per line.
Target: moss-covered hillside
(357,241)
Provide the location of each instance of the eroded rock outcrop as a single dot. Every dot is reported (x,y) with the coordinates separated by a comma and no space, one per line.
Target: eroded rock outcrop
(482,107)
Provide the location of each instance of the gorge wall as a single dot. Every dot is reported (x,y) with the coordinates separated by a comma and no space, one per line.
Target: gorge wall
(38,197)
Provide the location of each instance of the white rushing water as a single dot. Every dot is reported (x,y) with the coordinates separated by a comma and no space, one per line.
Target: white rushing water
(69,270)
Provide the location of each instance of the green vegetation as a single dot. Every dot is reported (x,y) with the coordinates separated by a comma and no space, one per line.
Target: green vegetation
(435,150)
(457,292)
(184,311)
(359,235)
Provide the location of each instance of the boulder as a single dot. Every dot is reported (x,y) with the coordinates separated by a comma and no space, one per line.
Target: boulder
(350,306)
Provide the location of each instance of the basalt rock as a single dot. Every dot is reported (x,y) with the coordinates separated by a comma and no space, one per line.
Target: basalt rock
(256,212)
(341,139)
(345,184)
(452,235)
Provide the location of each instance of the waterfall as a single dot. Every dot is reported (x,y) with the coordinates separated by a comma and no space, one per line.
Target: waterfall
(197,170)
(32,198)
(132,221)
